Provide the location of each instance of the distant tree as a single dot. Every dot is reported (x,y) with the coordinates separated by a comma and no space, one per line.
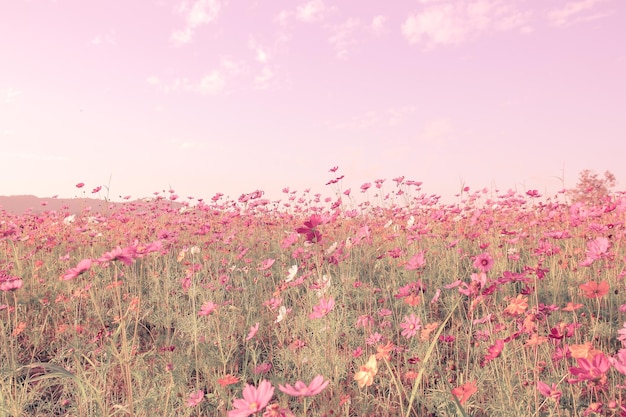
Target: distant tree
(591,188)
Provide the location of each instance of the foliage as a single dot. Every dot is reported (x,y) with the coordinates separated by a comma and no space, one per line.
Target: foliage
(591,188)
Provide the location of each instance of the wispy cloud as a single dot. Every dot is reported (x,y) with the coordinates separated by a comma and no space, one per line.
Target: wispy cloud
(392,116)
(213,82)
(378,24)
(195,14)
(11,94)
(185,144)
(311,11)
(262,81)
(576,11)
(445,23)
(261,53)
(343,37)
(108,38)
(436,131)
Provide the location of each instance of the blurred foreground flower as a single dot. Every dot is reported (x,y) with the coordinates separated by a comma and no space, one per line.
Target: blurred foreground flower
(365,375)
(254,399)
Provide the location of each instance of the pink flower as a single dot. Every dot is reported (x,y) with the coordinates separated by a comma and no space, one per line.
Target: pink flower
(549,391)
(195,398)
(118,254)
(494,350)
(266,264)
(275,410)
(253,330)
(82,267)
(323,308)
(254,400)
(9,283)
(263,368)
(417,261)
(596,249)
(619,361)
(310,229)
(593,370)
(207,308)
(300,389)
(483,262)
(80,185)
(410,325)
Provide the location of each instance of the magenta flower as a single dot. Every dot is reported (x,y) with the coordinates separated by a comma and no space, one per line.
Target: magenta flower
(410,325)
(82,267)
(254,399)
(591,370)
(9,283)
(323,308)
(300,389)
(549,391)
(310,228)
(195,398)
(483,262)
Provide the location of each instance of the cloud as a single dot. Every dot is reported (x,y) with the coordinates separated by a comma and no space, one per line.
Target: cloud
(213,82)
(311,11)
(342,37)
(196,14)
(261,53)
(378,24)
(108,38)
(184,144)
(436,131)
(455,23)
(575,11)
(262,80)
(11,94)
(389,117)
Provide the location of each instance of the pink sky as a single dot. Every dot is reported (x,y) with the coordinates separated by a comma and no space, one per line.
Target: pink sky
(214,96)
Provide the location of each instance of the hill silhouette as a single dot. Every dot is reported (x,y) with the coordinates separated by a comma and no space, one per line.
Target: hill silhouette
(19,204)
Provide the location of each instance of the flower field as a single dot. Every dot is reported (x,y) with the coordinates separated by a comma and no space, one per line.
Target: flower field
(504,304)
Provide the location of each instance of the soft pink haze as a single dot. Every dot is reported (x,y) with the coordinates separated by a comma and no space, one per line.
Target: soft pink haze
(215,96)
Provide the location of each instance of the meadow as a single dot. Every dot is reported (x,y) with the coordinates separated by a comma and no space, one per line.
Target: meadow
(503,304)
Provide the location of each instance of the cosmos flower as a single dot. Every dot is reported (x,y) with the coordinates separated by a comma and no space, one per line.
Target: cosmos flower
(254,399)
(300,389)
(82,267)
(365,375)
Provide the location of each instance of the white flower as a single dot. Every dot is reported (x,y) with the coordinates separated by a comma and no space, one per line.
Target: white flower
(292,273)
(282,312)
